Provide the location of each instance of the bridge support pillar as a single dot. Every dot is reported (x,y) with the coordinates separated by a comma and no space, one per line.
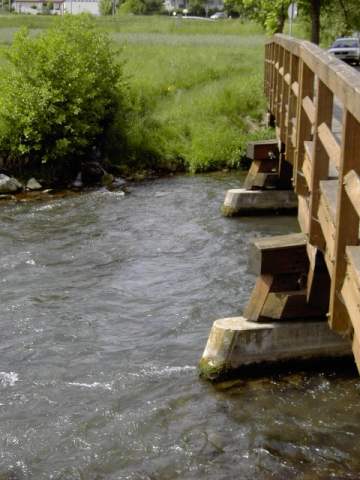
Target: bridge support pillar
(285,319)
(268,185)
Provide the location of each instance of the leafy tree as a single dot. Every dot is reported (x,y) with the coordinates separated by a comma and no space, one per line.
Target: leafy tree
(106,7)
(141,7)
(197,7)
(271,14)
(60,93)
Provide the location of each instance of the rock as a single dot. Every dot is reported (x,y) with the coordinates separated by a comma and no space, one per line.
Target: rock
(107,179)
(9,184)
(78,183)
(118,182)
(92,173)
(33,184)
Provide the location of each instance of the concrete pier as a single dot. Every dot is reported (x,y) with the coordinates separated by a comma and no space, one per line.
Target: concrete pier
(240,201)
(235,342)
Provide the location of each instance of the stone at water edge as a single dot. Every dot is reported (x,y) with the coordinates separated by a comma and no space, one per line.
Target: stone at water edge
(107,179)
(9,184)
(33,184)
(78,183)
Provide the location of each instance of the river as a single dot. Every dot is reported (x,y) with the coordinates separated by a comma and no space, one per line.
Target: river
(106,304)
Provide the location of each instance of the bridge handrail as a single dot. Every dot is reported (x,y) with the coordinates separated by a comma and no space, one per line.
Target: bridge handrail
(304,86)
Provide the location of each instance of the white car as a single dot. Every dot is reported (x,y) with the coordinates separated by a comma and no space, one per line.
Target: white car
(347,49)
(218,16)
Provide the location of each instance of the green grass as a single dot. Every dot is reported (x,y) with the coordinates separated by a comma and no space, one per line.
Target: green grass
(195,87)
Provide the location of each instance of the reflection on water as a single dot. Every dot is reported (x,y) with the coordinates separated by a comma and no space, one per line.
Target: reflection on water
(106,304)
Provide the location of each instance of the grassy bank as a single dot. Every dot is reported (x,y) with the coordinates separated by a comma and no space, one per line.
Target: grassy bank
(195,88)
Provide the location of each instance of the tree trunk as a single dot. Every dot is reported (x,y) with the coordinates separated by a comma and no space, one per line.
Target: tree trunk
(315,8)
(280,21)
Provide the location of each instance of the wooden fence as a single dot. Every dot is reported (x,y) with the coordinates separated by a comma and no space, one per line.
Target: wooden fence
(315,101)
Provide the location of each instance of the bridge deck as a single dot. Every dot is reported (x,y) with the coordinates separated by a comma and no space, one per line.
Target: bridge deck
(315,101)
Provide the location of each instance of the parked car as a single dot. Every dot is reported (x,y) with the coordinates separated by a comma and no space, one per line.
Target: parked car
(218,16)
(347,49)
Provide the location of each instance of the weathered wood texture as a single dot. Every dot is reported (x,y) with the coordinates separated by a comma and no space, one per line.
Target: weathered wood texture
(261,150)
(304,86)
(282,290)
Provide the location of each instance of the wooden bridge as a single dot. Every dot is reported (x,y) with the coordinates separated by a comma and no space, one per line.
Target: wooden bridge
(307,91)
(314,104)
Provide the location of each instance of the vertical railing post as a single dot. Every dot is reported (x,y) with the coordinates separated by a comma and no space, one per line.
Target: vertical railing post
(303,126)
(347,222)
(320,161)
(284,95)
(292,108)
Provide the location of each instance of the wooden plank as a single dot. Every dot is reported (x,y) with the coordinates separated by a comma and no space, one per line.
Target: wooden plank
(309,109)
(356,350)
(347,220)
(279,254)
(304,126)
(351,297)
(295,88)
(289,305)
(303,214)
(307,164)
(307,171)
(260,150)
(330,144)
(291,114)
(341,79)
(320,171)
(263,181)
(257,298)
(353,259)
(252,172)
(352,188)
(326,216)
(285,92)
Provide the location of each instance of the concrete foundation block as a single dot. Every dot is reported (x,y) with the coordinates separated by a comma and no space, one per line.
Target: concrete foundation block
(240,201)
(235,342)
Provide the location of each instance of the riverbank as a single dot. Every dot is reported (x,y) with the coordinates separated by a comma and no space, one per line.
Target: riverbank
(194,90)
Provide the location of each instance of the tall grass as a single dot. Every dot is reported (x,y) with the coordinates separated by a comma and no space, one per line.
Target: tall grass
(195,88)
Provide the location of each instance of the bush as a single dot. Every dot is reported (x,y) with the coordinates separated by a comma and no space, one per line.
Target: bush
(60,93)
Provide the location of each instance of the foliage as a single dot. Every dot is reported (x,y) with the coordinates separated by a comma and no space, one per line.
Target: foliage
(189,103)
(197,7)
(271,14)
(141,7)
(56,101)
(106,7)
(197,99)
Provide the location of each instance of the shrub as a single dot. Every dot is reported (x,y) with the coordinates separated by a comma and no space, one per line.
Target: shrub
(60,93)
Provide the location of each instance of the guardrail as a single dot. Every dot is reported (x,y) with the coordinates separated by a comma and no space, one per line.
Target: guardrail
(315,102)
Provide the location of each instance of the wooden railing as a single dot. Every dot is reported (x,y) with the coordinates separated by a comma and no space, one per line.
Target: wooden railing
(315,101)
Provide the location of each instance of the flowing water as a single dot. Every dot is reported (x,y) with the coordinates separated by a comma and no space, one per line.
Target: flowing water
(106,304)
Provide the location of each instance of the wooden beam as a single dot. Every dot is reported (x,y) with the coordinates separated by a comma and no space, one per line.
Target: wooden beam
(260,150)
(279,254)
(330,144)
(309,108)
(303,214)
(352,188)
(347,221)
(320,157)
(307,164)
(356,350)
(258,297)
(289,305)
(303,126)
